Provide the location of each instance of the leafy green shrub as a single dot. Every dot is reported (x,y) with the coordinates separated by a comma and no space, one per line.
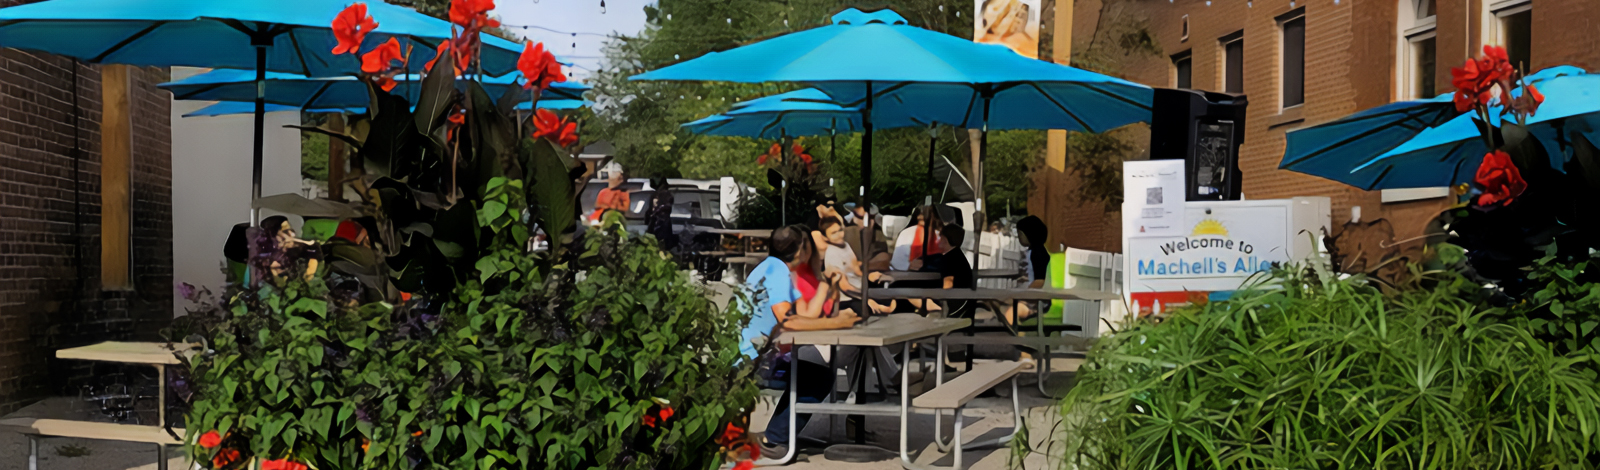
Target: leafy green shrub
(1314,371)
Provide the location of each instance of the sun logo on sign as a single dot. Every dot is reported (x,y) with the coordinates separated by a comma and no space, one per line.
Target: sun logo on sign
(1210,227)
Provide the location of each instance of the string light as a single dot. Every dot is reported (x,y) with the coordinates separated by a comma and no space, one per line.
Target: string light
(602,7)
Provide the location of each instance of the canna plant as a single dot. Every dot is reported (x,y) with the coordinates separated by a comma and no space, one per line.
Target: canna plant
(1311,370)
(416,328)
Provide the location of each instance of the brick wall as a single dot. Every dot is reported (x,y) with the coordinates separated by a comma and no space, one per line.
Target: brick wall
(1350,66)
(50,294)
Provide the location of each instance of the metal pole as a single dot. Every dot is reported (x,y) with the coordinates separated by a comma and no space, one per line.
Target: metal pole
(977,215)
(866,188)
(261,122)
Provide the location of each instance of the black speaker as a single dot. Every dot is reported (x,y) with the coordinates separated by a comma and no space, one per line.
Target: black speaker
(1205,130)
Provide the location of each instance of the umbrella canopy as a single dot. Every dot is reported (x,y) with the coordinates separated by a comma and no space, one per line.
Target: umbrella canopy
(1330,150)
(796,113)
(228,108)
(922,76)
(223,34)
(1450,153)
(329,92)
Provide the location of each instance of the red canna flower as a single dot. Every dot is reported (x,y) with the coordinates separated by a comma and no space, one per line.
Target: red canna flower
(365,444)
(761,160)
(745,465)
(464,12)
(225,457)
(444,48)
(351,27)
(381,58)
(666,412)
(210,439)
(730,434)
(539,66)
(458,118)
(1535,98)
(1500,179)
(547,124)
(418,433)
(796,149)
(805,157)
(776,150)
(648,421)
(282,464)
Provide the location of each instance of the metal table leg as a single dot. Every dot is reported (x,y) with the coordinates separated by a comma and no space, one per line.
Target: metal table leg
(33,452)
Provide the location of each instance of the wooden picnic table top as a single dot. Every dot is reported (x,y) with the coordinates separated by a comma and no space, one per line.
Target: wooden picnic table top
(879,331)
(744,259)
(930,275)
(123,352)
(988,294)
(760,233)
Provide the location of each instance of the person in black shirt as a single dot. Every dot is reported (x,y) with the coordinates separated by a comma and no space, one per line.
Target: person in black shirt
(955,270)
(1033,235)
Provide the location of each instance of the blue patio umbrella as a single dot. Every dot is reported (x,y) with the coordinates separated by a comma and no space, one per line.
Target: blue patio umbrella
(229,108)
(898,73)
(554,105)
(796,113)
(328,92)
(291,36)
(1330,150)
(1450,153)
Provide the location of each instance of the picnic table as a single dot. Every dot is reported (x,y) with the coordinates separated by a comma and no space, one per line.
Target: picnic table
(934,276)
(878,331)
(1039,343)
(157,355)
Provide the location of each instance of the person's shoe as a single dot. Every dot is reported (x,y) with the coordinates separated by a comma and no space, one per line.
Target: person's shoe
(772,451)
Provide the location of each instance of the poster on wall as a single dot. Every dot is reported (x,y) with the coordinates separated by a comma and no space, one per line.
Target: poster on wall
(1222,246)
(1012,23)
(1154,197)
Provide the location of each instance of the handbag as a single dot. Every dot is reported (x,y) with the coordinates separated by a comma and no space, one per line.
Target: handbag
(773,363)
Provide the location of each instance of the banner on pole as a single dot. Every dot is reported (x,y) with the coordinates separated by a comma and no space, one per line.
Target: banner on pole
(1012,23)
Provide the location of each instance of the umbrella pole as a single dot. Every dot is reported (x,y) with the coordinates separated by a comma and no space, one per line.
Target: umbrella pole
(927,227)
(261,122)
(866,189)
(977,214)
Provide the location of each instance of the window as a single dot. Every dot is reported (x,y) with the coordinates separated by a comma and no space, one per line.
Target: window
(1233,62)
(1415,74)
(1185,32)
(1182,70)
(1292,27)
(1510,24)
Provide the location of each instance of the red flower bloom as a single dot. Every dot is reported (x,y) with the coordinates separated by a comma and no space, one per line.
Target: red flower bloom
(796,149)
(805,157)
(666,412)
(776,150)
(649,421)
(730,434)
(282,464)
(547,124)
(539,66)
(1500,179)
(210,439)
(379,63)
(351,27)
(444,48)
(1534,97)
(745,465)
(761,160)
(1475,80)
(225,457)
(464,12)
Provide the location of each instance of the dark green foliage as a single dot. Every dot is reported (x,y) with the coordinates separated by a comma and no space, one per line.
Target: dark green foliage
(1315,371)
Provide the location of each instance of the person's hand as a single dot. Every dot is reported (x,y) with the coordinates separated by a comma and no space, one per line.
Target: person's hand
(916,264)
(847,318)
(874,276)
(834,277)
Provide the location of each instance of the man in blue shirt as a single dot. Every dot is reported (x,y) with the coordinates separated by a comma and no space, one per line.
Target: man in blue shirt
(778,302)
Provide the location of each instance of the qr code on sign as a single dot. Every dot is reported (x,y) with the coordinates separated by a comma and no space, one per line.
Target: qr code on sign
(1152,196)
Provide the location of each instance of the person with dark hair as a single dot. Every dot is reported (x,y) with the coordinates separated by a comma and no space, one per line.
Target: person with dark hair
(658,217)
(838,258)
(955,272)
(876,256)
(779,305)
(1033,233)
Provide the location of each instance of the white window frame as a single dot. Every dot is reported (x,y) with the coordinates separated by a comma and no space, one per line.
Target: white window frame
(1494,12)
(1222,58)
(1410,30)
(1281,21)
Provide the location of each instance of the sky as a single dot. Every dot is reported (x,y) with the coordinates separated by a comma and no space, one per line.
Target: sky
(553,23)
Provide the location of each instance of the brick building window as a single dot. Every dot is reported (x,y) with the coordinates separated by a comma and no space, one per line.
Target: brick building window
(1510,24)
(1233,62)
(1183,70)
(1415,74)
(1292,29)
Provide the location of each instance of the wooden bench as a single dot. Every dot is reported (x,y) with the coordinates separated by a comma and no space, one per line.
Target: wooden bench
(35,428)
(955,394)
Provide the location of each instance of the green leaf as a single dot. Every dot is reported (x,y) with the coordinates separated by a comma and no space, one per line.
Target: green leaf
(319,229)
(490,211)
(437,92)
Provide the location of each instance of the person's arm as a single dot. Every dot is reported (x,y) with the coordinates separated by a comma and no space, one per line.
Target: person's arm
(783,312)
(1036,284)
(812,308)
(949,282)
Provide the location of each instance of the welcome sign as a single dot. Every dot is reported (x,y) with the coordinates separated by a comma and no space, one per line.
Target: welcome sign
(1223,245)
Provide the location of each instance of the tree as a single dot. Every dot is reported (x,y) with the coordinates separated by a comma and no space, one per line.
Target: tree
(1097,158)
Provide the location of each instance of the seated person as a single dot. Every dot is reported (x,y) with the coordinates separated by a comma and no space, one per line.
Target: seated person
(955,272)
(1032,233)
(779,305)
(909,244)
(869,220)
(839,260)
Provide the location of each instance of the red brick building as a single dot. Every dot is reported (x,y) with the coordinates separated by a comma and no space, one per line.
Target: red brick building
(56,290)
(1356,54)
